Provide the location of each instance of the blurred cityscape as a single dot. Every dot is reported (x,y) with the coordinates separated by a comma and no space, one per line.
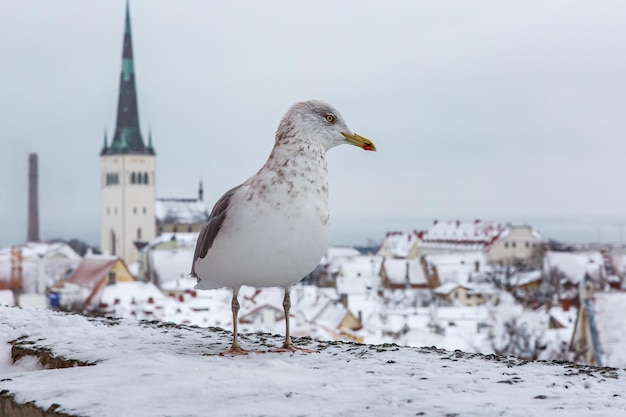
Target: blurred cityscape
(476,286)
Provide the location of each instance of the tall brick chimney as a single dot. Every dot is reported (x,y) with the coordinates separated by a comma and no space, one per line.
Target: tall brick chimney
(33,202)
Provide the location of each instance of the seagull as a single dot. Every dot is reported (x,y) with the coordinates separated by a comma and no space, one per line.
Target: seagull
(273,229)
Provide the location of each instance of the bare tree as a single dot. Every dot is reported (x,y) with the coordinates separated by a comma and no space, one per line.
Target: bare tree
(517,340)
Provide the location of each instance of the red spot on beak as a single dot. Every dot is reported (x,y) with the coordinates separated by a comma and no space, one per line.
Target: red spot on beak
(367,147)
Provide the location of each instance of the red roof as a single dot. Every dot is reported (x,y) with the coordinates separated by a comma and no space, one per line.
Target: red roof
(92,271)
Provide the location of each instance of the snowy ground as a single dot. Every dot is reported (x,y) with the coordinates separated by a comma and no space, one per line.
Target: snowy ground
(152,369)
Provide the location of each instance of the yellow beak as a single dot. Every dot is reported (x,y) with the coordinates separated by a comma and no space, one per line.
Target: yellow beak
(360,141)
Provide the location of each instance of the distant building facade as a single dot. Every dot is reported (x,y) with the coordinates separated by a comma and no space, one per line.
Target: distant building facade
(516,243)
(501,243)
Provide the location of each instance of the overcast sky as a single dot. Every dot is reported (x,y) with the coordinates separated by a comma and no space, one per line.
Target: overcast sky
(507,111)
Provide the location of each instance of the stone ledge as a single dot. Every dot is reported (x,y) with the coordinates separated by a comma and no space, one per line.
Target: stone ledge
(10,408)
(22,347)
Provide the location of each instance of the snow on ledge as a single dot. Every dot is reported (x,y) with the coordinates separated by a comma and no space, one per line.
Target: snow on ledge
(161,369)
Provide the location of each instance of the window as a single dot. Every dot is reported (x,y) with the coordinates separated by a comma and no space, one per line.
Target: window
(139,233)
(145,177)
(174,229)
(134,210)
(111,179)
(506,244)
(132,178)
(528,244)
(513,244)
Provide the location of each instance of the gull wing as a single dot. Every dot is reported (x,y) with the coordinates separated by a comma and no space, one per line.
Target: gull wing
(209,231)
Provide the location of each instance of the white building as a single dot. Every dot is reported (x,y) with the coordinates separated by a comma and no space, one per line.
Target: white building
(501,243)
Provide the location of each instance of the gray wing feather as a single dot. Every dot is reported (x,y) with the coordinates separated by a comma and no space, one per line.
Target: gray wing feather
(209,231)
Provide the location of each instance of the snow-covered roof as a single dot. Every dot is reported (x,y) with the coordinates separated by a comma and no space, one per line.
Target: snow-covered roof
(331,315)
(251,299)
(472,288)
(341,252)
(574,264)
(180,211)
(336,256)
(447,288)
(396,270)
(354,285)
(457,267)
(457,235)
(566,318)
(358,274)
(400,270)
(308,301)
(399,244)
(416,272)
(360,266)
(526,277)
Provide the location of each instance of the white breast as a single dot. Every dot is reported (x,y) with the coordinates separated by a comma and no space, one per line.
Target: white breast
(276,230)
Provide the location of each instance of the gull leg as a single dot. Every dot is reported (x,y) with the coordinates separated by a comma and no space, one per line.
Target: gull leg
(288,345)
(235,348)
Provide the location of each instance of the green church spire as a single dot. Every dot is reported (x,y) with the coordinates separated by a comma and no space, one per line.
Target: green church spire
(127,137)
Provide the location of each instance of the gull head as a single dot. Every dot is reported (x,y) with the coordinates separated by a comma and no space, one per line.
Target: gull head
(318,121)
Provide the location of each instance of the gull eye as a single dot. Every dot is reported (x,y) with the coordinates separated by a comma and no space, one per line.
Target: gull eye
(329,118)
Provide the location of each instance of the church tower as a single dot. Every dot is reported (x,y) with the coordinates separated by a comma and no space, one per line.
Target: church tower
(127,170)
